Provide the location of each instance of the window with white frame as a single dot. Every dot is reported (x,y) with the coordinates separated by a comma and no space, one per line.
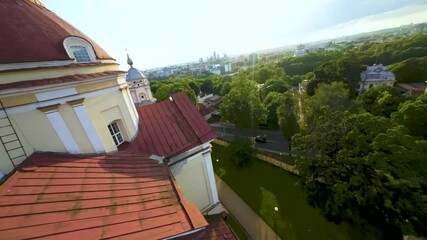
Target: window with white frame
(79,49)
(115,133)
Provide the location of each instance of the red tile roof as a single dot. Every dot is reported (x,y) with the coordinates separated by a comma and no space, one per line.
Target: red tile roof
(206,110)
(49,81)
(168,128)
(35,34)
(218,230)
(123,195)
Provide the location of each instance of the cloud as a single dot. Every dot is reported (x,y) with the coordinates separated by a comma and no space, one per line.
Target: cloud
(414,13)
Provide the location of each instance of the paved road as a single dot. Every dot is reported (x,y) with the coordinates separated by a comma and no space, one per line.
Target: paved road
(253,224)
(275,141)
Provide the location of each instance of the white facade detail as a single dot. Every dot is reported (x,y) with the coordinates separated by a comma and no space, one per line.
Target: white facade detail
(56,94)
(209,166)
(76,41)
(133,113)
(64,100)
(61,129)
(89,128)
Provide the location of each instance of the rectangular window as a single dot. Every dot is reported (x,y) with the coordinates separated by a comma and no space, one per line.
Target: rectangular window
(115,133)
(80,54)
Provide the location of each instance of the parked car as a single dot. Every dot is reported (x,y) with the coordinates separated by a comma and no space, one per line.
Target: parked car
(260,139)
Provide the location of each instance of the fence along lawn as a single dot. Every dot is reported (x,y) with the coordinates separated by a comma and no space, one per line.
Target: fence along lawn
(263,186)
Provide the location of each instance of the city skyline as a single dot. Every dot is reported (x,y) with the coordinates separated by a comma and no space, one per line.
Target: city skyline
(161,33)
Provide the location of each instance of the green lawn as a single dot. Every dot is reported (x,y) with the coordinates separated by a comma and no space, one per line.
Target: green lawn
(263,186)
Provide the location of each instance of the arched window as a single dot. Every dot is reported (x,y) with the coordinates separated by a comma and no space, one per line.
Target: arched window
(115,133)
(79,49)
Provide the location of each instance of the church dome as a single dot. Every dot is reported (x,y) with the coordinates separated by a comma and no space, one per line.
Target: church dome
(31,33)
(134,74)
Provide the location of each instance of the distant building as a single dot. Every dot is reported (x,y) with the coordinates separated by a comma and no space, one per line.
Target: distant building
(375,75)
(302,86)
(209,105)
(300,51)
(139,86)
(253,58)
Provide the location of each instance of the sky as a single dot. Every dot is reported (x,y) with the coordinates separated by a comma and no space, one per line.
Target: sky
(159,33)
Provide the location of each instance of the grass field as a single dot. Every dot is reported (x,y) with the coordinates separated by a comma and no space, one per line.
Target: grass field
(263,186)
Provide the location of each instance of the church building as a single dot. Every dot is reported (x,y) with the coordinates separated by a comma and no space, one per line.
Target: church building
(85,151)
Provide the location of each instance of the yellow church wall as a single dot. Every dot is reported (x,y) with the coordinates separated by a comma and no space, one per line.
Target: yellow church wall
(39,133)
(19,100)
(106,108)
(96,86)
(54,72)
(17,155)
(31,98)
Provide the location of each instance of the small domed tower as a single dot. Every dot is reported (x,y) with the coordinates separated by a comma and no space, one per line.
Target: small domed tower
(139,86)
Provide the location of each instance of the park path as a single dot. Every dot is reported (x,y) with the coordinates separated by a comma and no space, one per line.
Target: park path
(253,224)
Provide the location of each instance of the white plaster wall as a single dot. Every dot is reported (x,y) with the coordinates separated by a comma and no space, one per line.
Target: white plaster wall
(193,179)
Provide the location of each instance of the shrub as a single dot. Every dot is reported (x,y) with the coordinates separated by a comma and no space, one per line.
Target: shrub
(241,153)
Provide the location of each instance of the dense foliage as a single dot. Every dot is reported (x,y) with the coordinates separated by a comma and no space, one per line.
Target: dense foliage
(367,169)
(307,63)
(241,153)
(242,105)
(367,161)
(411,70)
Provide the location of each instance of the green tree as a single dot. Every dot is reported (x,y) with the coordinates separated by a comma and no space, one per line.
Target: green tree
(241,153)
(207,86)
(334,96)
(287,117)
(274,85)
(272,101)
(410,70)
(194,86)
(413,115)
(372,177)
(164,92)
(381,100)
(226,88)
(242,105)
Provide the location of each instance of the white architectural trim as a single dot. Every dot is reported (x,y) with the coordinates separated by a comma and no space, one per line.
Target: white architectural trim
(61,129)
(129,103)
(76,41)
(89,128)
(28,65)
(34,106)
(157,158)
(209,166)
(55,94)
(43,64)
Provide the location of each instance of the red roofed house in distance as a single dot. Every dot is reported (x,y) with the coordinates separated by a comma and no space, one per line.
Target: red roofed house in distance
(84,153)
